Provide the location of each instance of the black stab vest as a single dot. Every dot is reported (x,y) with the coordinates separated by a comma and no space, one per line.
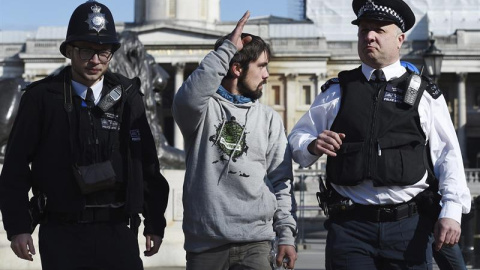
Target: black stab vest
(384,140)
(98,141)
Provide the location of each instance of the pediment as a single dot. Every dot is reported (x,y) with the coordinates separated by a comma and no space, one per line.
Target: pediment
(168,34)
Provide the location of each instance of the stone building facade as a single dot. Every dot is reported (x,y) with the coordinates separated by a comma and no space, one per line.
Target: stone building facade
(306,53)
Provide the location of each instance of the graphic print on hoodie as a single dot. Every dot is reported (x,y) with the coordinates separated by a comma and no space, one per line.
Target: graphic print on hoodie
(230,140)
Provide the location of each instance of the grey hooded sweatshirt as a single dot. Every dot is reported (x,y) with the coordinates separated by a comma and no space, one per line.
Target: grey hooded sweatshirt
(238,180)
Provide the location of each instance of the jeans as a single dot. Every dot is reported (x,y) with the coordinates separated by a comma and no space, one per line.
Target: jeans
(450,258)
(238,256)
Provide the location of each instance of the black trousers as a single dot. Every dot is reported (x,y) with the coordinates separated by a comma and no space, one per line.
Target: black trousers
(356,244)
(88,246)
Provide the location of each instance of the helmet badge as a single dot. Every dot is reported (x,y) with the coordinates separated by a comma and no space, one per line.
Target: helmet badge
(96,20)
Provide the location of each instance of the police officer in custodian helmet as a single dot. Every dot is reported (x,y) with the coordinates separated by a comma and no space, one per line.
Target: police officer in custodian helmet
(82,144)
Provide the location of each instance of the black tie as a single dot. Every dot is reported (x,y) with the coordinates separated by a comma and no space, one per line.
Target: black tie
(377,82)
(378,75)
(89,98)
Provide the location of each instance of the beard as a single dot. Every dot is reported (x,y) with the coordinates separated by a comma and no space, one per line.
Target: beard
(252,94)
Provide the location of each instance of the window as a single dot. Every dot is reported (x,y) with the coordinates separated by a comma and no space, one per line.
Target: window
(476,95)
(275,95)
(307,94)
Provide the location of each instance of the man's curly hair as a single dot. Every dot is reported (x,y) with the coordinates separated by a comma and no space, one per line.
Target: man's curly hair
(250,52)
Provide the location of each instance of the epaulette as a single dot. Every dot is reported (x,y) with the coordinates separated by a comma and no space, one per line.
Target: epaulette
(29,85)
(327,84)
(127,83)
(432,88)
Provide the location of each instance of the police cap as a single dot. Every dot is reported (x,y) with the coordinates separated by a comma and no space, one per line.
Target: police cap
(91,22)
(395,11)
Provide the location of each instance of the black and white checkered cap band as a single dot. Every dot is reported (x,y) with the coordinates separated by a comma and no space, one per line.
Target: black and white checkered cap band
(371,7)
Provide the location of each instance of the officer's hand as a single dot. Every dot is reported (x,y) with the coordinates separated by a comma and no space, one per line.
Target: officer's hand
(288,252)
(152,249)
(22,246)
(446,232)
(236,36)
(327,142)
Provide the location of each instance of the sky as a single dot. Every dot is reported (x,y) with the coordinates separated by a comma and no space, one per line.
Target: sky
(29,14)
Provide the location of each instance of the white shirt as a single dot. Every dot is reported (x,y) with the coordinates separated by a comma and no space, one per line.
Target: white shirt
(81,90)
(436,124)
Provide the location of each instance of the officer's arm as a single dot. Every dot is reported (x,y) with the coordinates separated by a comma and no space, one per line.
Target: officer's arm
(15,180)
(327,142)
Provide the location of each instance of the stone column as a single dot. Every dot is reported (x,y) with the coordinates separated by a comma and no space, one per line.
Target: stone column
(177,134)
(291,91)
(462,115)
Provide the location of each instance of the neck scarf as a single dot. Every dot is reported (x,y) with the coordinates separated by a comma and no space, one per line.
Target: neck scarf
(236,99)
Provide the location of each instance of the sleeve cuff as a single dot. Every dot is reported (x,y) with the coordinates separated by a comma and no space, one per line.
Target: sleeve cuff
(308,158)
(451,210)
(286,237)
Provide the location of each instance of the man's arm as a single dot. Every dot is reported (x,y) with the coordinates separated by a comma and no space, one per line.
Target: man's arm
(280,175)
(145,165)
(15,180)
(310,137)
(448,167)
(191,100)
(156,189)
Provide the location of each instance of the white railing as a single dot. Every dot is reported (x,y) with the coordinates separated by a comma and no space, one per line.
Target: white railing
(472,176)
(473,181)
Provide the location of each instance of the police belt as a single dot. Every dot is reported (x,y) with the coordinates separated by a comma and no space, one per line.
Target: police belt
(375,213)
(89,215)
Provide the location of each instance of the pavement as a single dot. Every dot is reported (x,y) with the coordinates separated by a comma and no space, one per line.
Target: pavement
(311,247)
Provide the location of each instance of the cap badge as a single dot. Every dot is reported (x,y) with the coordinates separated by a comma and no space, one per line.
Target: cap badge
(369,6)
(96,20)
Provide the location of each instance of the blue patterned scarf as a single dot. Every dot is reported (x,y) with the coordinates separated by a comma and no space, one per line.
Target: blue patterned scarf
(236,99)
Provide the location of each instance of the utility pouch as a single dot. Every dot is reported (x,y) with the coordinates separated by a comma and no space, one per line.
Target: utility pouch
(324,196)
(330,201)
(428,203)
(36,209)
(94,177)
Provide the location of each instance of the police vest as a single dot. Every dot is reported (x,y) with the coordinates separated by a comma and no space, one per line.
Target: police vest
(384,141)
(98,141)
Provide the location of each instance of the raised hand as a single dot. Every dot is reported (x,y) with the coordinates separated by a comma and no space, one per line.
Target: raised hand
(236,36)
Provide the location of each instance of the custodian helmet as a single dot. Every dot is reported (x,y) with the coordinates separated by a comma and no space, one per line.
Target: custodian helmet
(91,22)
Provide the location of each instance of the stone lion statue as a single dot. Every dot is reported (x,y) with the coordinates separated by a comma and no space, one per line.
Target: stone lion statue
(10,94)
(132,60)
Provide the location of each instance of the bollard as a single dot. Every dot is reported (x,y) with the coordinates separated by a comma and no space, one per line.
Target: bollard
(301,215)
(476,236)
(467,238)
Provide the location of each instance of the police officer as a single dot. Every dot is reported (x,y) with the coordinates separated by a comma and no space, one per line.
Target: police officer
(82,143)
(387,133)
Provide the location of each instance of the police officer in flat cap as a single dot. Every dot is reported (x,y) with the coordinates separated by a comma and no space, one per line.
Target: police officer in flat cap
(82,144)
(394,167)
